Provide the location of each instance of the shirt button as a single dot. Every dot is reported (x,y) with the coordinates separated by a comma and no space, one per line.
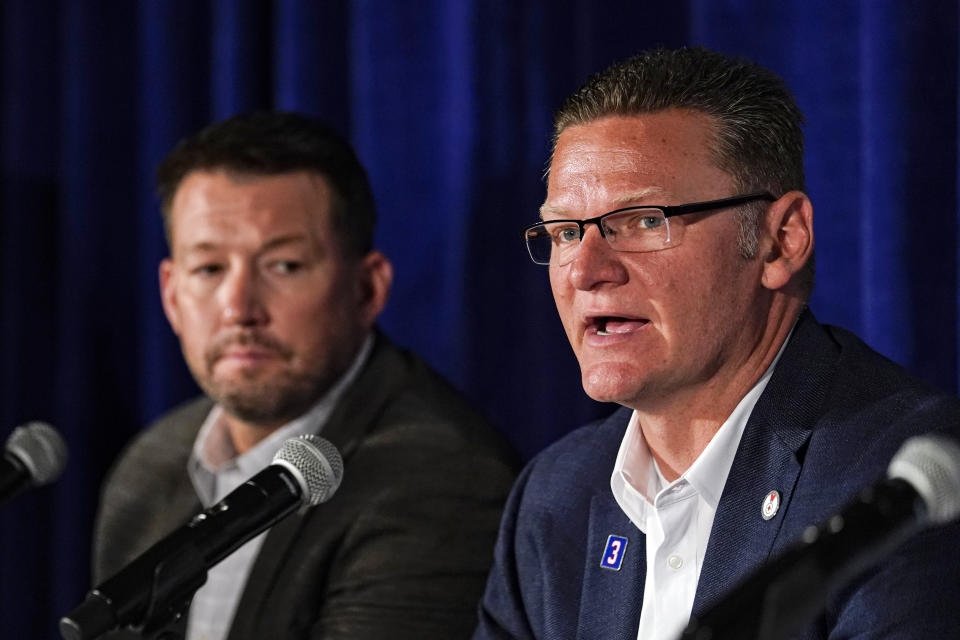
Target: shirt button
(675,562)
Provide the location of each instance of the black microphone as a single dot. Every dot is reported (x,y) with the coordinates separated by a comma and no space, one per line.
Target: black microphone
(34,455)
(154,589)
(922,489)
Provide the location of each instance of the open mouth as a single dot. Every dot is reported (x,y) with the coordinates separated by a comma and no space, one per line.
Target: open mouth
(614,325)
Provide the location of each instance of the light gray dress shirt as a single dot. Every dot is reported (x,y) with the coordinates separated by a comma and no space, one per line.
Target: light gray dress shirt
(215,470)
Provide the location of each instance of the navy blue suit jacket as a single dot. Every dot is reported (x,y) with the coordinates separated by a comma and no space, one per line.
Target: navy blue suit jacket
(830,419)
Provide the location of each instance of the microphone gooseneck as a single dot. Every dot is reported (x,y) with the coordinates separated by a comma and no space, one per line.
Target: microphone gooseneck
(922,488)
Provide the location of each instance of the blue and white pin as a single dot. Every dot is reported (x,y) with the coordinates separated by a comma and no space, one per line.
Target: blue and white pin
(613,552)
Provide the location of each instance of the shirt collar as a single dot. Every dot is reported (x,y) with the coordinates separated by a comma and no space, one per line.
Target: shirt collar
(214,452)
(708,473)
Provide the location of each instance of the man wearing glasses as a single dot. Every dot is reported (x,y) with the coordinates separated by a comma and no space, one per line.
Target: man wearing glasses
(680,246)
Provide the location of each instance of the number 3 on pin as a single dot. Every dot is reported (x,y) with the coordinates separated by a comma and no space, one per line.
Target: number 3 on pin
(613,552)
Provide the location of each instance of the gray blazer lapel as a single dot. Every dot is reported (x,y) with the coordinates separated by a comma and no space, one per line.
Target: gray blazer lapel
(275,550)
(770,458)
(354,415)
(611,599)
(364,401)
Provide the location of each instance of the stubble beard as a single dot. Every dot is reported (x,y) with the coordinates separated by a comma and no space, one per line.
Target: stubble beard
(266,401)
(260,398)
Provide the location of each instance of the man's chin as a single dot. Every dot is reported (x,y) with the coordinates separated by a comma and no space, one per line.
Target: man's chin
(260,409)
(607,383)
(258,402)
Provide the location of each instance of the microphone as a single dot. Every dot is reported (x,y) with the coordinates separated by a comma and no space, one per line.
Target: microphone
(35,455)
(154,589)
(922,489)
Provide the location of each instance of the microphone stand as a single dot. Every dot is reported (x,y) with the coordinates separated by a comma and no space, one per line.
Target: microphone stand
(176,578)
(175,581)
(783,596)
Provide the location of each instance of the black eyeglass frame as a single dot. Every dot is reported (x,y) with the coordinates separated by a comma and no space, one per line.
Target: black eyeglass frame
(668,212)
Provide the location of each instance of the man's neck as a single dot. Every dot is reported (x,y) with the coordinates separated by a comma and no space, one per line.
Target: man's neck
(245,435)
(678,428)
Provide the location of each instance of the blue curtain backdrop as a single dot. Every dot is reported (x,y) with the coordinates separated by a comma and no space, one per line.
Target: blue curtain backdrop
(449,104)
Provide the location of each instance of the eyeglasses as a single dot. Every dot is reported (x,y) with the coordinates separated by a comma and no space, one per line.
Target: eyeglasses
(632,229)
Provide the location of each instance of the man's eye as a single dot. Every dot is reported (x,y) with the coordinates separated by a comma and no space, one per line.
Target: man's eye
(285,267)
(207,270)
(651,222)
(566,235)
(636,223)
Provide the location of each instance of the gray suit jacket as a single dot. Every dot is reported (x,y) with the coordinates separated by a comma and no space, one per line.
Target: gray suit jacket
(401,550)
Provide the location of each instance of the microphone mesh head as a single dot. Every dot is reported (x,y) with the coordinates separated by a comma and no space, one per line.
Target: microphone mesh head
(931,464)
(41,450)
(316,462)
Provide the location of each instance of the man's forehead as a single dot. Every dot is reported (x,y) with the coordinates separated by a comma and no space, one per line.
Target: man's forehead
(213,207)
(618,137)
(206,241)
(630,158)
(588,156)
(559,207)
(224,187)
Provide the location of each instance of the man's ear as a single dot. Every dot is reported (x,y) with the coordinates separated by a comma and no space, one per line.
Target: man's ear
(168,294)
(376,277)
(786,242)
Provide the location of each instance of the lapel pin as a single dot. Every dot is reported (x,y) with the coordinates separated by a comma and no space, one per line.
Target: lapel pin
(771,504)
(613,552)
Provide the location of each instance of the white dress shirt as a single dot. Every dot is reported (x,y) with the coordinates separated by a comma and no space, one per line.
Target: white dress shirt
(215,470)
(676,517)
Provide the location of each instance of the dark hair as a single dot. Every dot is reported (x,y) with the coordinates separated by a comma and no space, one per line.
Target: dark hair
(758,138)
(273,143)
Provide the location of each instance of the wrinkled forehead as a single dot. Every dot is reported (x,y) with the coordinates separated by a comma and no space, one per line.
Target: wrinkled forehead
(657,153)
(688,130)
(704,121)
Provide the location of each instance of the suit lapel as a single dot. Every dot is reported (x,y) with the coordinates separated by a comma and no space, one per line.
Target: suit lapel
(741,539)
(769,458)
(611,600)
(252,608)
(354,415)
(363,402)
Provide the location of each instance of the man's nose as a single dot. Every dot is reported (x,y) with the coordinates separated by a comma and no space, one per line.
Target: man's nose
(596,262)
(242,302)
